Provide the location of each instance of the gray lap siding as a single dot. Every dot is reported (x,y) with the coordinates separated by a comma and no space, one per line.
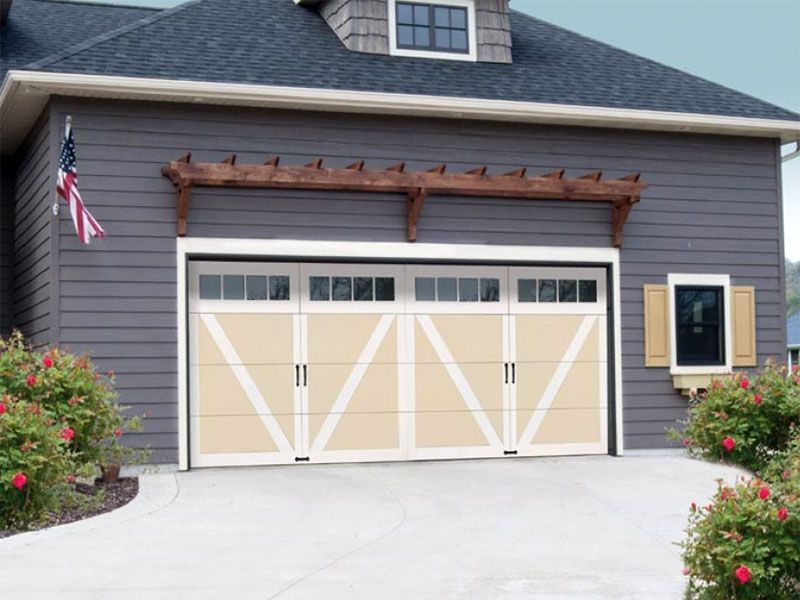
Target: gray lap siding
(713,205)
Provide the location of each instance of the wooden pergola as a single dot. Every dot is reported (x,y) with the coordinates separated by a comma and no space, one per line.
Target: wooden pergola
(621,193)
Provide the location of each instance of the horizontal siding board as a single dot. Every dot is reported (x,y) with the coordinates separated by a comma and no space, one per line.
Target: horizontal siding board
(712,207)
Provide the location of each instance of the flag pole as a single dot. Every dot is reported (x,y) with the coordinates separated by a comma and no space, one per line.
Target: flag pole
(67,127)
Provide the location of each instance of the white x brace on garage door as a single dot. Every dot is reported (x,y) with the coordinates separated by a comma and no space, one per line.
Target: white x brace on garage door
(331,362)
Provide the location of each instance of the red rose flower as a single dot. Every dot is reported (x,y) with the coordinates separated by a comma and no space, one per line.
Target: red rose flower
(685,571)
(47,362)
(745,383)
(110,374)
(70,478)
(694,506)
(31,380)
(3,408)
(67,434)
(757,398)
(783,514)
(686,441)
(743,574)
(118,432)
(729,444)
(19,480)
(763,493)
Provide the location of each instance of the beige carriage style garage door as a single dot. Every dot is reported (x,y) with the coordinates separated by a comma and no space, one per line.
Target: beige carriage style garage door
(326,362)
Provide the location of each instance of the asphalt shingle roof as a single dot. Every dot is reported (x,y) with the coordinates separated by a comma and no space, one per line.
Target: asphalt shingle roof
(793,331)
(39,28)
(277,42)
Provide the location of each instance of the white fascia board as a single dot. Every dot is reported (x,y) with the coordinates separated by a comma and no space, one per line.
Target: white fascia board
(24,92)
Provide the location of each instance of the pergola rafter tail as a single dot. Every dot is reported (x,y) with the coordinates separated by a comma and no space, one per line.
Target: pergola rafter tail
(417,186)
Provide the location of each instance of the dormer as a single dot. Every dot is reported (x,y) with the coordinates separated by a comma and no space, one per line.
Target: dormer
(470,30)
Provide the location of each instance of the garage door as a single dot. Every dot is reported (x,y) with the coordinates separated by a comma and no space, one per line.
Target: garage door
(325,362)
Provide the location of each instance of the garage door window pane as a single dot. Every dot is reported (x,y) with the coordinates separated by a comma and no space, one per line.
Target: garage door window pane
(319,288)
(567,290)
(547,290)
(526,290)
(467,289)
(210,287)
(256,287)
(425,289)
(587,290)
(446,289)
(490,290)
(233,287)
(384,289)
(362,289)
(342,289)
(278,287)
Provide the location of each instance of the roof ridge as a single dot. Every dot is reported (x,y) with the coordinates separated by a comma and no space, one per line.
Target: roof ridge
(106,4)
(672,68)
(109,35)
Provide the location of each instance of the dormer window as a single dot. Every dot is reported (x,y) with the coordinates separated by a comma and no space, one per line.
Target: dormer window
(441,29)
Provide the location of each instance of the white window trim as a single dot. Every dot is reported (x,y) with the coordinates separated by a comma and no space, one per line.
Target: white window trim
(472,55)
(723,281)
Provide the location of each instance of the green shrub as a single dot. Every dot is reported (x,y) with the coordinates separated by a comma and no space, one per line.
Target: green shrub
(34,465)
(59,418)
(744,419)
(745,544)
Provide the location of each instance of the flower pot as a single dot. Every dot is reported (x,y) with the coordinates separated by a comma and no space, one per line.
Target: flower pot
(110,473)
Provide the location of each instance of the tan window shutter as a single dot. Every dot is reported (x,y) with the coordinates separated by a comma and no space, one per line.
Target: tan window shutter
(656,326)
(743,326)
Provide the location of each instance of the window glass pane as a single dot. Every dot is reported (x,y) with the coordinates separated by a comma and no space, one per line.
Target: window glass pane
(422,37)
(342,289)
(467,289)
(425,289)
(547,290)
(421,14)
(362,288)
(256,287)
(490,290)
(319,288)
(233,287)
(699,338)
(458,40)
(458,18)
(446,289)
(526,290)
(210,287)
(587,290)
(405,14)
(441,16)
(567,290)
(384,289)
(405,35)
(278,287)
(442,38)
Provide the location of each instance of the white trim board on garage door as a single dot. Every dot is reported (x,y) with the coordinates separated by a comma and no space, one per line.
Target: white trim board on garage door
(197,248)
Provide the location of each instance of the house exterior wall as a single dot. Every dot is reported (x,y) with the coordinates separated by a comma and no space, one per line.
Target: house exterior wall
(6,232)
(713,206)
(28,268)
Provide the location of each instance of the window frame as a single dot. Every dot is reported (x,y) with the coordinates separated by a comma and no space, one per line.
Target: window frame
(676,280)
(472,48)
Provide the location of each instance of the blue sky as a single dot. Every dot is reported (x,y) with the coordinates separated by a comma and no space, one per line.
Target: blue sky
(749,45)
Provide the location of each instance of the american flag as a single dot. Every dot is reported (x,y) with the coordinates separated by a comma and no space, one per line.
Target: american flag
(67,186)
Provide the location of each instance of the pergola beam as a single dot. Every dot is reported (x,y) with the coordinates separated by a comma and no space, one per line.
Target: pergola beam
(416,185)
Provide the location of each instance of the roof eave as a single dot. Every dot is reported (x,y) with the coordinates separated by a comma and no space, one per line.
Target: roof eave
(25,93)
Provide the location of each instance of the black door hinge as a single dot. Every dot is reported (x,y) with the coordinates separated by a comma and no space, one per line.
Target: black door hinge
(300,459)
(509,452)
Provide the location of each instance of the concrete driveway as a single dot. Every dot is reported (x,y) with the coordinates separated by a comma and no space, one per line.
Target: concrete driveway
(594,527)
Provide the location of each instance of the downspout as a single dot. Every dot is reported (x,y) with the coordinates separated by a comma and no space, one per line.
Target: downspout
(793,154)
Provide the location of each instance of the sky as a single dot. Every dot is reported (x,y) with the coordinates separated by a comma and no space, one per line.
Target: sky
(749,45)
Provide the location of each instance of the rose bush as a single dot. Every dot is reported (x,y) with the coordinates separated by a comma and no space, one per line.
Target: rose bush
(58,418)
(744,419)
(746,542)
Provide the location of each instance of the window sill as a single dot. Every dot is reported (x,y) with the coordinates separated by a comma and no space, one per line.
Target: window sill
(685,382)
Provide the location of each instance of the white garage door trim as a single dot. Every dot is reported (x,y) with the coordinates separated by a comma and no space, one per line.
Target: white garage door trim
(198,248)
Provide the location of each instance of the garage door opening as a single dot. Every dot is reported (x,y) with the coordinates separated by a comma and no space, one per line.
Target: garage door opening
(336,362)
